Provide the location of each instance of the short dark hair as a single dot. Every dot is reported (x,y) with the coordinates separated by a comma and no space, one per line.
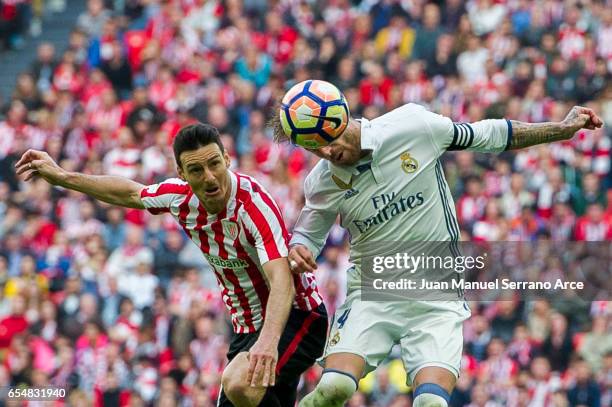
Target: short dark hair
(193,137)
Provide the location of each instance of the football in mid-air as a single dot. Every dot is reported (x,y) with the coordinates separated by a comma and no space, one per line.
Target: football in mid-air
(314,113)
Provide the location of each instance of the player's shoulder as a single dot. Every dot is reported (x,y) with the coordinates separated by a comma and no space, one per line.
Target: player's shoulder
(409,110)
(169,186)
(318,179)
(400,111)
(248,188)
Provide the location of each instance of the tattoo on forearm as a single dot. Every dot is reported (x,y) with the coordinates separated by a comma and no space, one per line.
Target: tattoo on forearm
(530,134)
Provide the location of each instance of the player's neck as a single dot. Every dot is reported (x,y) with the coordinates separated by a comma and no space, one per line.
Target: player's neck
(353,133)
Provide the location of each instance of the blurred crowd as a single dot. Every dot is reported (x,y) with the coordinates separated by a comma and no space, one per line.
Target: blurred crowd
(21,19)
(118,307)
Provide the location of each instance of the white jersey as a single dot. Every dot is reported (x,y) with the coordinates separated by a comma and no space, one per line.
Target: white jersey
(398,193)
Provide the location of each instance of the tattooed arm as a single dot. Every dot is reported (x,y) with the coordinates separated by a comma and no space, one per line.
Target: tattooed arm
(530,134)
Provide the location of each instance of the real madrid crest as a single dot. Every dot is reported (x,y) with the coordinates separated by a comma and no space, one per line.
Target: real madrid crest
(230,228)
(409,163)
(335,339)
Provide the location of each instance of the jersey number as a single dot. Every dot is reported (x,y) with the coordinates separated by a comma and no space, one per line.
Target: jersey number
(343,318)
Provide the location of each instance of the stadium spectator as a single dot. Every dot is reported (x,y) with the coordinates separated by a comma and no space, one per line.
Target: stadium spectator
(113,96)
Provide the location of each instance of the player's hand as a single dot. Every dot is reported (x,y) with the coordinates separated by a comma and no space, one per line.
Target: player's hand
(262,363)
(34,162)
(301,260)
(581,118)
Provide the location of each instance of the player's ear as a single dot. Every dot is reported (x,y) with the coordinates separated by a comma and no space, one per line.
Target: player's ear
(180,173)
(227,159)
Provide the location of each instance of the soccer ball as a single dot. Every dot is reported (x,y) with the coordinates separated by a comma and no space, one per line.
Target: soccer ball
(314,113)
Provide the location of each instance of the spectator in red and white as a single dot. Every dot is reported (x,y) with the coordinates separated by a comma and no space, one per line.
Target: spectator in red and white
(125,159)
(471,205)
(205,346)
(183,294)
(163,89)
(555,190)
(13,127)
(108,117)
(67,77)
(88,223)
(413,88)
(481,396)
(562,221)
(498,369)
(15,323)
(542,384)
(593,226)
(125,258)
(157,159)
(604,37)
(124,329)
(375,88)
(201,22)
(604,377)
(91,361)
(522,347)
(492,227)
(596,149)
(571,34)
(331,272)
(516,197)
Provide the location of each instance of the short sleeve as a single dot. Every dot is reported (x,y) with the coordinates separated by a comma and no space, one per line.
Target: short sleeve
(160,198)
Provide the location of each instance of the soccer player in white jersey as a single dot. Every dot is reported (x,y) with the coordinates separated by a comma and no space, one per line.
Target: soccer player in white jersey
(384,179)
(278,317)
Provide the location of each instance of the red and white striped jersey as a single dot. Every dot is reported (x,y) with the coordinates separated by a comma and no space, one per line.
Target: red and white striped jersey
(237,242)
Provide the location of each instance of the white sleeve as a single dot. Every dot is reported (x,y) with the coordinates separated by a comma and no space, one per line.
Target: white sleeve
(314,222)
(487,136)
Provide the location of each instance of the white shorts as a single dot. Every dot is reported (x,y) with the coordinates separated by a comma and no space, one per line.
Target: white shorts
(430,333)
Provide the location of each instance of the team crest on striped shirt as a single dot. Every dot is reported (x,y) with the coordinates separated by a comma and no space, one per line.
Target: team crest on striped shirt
(230,228)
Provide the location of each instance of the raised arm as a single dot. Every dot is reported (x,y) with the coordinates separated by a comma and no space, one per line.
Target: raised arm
(113,190)
(530,134)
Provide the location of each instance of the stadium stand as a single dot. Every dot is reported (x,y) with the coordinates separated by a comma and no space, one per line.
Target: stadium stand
(119,308)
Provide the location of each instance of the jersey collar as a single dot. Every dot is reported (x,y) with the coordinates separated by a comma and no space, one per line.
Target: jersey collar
(368,142)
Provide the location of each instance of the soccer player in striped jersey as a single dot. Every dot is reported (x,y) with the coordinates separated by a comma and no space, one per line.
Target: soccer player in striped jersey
(384,180)
(279,320)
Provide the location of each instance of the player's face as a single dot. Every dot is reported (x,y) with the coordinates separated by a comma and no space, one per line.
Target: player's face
(346,149)
(205,170)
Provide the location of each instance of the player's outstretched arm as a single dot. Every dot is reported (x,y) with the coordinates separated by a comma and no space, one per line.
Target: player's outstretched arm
(113,190)
(263,356)
(530,134)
